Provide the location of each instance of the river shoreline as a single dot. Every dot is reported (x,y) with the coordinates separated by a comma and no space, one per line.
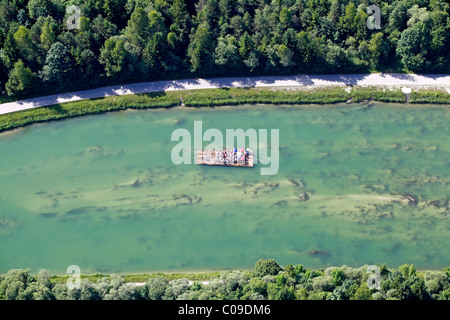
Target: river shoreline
(324,95)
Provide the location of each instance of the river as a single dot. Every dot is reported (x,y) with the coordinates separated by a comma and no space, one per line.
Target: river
(103,193)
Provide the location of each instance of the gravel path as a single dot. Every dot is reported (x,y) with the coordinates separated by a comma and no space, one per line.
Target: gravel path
(392,80)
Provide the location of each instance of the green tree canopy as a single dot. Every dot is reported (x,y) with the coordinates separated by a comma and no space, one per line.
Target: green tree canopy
(200,49)
(20,80)
(113,57)
(9,52)
(48,35)
(155,288)
(138,27)
(59,65)
(412,47)
(24,43)
(265,267)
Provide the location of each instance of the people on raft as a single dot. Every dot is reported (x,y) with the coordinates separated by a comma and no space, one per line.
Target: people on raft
(235,156)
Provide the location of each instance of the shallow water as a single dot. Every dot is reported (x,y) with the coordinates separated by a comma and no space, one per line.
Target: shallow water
(101,192)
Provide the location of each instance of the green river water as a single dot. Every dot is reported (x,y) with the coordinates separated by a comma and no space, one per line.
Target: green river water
(101,192)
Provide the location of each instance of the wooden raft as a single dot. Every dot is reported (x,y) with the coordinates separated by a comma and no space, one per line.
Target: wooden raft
(215,158)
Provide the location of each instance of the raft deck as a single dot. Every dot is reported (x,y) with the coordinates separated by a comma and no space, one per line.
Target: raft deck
(224,158)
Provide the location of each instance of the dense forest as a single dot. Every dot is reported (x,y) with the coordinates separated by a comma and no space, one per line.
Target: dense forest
(268,280)
(134,40)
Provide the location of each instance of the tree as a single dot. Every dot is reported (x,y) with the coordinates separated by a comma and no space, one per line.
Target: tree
(48,36)
(285,54)
(14,284)
(258,286)
(363,293)
(178,287)
(417,15)
(444,295)
(87,61)
(113,10)
(112,56)
(138,29)
(260,22)
(108,288)
(128,292)
(335,11)
(417,287)
(15,291)
(280,279)
(276,292)
(248,52)
(265,267)
(361,23)
(24,43)
(7,11)
(338,276)
(156,23)
(87,291)
(336,57)
(404,284)
(226,7)
(285,17)
(446,271)
(307,48)
(108,9)
(20,80)
(39,8)
(349,20)
(180,26)
(246,45)
(439,32)
(376,48)
(412,47)
(201,49)
(172,40)
(345,291)
(38,291)
(233,284)
(398,16)
(179,14)
(155,288)
(354,21)
(22,18)
(301,294)
(59,65)
(323,283)
(43,277)
(154,53)
(102,30)
(59,291)
(290,270)
(226,53)
(290,39)
(9,52)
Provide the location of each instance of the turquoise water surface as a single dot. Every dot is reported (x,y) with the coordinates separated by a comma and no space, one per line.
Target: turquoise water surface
(101,192)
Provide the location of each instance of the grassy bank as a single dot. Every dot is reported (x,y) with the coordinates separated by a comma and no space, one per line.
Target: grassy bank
(143,277)
(214,97)
(429,96)
(85,107)
(285,96)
